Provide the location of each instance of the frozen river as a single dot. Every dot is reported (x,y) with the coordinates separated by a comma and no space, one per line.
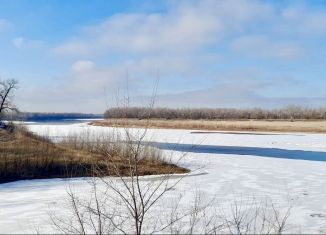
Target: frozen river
(288,168)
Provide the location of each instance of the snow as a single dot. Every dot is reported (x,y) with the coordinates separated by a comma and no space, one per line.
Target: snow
(24,205)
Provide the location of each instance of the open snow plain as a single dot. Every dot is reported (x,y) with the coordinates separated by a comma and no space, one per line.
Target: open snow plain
(290,169)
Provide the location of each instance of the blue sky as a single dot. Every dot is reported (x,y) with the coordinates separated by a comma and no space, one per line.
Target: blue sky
(79,56)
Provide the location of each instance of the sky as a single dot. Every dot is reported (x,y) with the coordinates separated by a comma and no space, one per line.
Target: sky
(86,56)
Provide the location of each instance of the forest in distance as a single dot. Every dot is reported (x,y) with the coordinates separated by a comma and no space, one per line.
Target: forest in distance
(286,113)
(39,116)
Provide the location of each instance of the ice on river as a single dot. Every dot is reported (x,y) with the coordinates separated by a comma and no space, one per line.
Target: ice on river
(220,171)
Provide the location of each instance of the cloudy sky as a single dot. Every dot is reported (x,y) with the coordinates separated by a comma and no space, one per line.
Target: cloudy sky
(81,56)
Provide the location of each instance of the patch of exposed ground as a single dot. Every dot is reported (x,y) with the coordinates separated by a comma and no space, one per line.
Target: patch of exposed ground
(310,126)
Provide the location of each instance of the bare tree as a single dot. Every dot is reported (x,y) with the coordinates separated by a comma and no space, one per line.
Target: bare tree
(6,89)
(129,202)
(256,217)
(121,204)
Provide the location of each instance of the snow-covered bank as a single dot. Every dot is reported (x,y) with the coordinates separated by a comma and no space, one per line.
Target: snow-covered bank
(24,205)
(290,141)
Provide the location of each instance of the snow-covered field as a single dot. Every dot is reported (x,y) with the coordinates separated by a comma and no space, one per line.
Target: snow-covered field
(24,205)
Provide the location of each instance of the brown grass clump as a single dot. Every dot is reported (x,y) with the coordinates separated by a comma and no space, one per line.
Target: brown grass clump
(119,158)
(27,156)
(24,155)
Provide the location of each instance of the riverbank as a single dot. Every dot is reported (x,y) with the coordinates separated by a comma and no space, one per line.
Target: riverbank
(221,177)
(24,155)
(318,126)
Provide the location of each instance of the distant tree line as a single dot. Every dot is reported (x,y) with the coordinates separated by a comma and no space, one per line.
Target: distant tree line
(26,116)
(287,113)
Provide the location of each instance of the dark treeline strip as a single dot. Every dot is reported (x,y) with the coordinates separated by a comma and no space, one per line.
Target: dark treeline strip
(50,116)
(287,113)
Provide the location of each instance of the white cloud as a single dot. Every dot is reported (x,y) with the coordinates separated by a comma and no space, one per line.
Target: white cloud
(83,89)
(232,97)
(315,23)
(301,19)
(4,24)
(76,47)
(21,42)
(18,42)
(190,42)
(82,66)
(184,27)
(262,46)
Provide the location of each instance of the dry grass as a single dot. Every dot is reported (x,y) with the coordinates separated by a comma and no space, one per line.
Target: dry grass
(118,157)
(27,156)
(316,126)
